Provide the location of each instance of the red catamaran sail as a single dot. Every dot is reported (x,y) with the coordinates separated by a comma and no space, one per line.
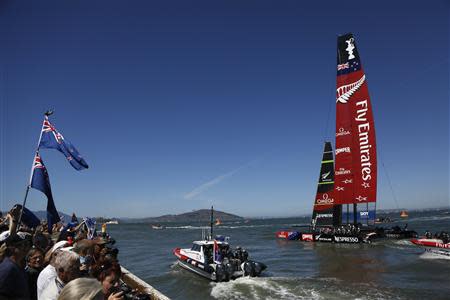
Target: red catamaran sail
(356,160)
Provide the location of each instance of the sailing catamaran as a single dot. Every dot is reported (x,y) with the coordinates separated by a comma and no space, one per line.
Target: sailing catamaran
(345,203)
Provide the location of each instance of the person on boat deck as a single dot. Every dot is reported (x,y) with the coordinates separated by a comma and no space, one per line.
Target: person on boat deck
(109,274)
(35,263)
(13,281)
(444,237)
(428,234)
(208,254)
(67,265)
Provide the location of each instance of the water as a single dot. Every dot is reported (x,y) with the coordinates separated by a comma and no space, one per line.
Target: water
(393,269)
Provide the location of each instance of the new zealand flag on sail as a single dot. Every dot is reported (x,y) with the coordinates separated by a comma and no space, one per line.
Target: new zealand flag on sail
(41,182)
(52,139)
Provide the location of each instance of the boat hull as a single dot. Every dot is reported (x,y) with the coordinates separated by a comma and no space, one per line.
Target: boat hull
(434,243)
(222,271)
(333,238)
(404,234)
(195,269)
(288,235)
(434,246)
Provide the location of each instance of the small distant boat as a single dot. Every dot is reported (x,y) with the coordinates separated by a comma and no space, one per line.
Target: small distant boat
(404,214)
(157,226)
(382,220)
(115,222)
(214,259)
(288,235)
(218,222)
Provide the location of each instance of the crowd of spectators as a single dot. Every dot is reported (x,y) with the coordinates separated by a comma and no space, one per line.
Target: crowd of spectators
(67,263)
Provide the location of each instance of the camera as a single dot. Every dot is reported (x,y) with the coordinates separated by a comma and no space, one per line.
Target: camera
(129,294)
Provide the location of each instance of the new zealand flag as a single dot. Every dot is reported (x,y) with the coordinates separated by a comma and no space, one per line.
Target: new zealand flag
(41,182)
(52,139)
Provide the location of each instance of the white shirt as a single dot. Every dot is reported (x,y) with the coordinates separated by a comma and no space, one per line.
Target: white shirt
(52,290)
(47,275)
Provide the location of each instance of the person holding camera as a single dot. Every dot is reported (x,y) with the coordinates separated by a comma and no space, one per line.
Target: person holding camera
(109,273)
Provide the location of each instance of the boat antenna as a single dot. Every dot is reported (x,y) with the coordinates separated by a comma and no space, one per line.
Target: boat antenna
(212,215)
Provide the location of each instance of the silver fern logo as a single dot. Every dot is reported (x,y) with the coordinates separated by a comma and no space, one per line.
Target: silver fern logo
(343,93)
(325,176)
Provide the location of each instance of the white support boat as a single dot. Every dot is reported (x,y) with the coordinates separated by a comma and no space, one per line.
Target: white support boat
(214,259)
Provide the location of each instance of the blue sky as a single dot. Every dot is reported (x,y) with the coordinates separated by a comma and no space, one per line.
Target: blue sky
(177,105)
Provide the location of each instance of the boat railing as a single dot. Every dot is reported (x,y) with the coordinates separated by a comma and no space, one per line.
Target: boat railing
(135,282)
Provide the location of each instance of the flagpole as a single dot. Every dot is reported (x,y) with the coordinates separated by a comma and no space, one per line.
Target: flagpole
(46,114)
(212,212)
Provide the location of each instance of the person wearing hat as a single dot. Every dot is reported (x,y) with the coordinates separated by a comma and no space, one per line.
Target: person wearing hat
(49,272)
(13,280)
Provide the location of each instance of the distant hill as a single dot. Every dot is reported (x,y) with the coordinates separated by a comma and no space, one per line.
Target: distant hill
(202,215)
(42,215)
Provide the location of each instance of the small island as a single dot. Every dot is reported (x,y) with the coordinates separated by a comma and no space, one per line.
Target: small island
(201,215)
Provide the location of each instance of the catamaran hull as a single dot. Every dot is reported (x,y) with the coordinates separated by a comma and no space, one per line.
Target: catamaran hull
(332,238)
(407,234)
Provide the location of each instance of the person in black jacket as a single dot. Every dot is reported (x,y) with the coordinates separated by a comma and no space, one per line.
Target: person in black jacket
(35,263)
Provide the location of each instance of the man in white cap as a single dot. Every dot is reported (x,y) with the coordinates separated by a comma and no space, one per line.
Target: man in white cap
(48,274)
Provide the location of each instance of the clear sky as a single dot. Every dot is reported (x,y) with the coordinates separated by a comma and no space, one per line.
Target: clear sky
(177,105)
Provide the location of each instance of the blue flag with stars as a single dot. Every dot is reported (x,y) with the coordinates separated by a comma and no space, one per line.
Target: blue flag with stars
(41,182)
(52,139)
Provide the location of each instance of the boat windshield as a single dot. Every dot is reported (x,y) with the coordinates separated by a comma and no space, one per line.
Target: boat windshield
(196,247)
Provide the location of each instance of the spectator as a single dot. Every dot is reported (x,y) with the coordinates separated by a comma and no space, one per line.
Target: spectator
(49,273)
(67,266)
(83,289)
(85,249)
(109,275)
(35,262)
(13,282)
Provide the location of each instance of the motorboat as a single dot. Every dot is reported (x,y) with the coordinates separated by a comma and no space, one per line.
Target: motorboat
(213,258)
(157,226)
(438,244)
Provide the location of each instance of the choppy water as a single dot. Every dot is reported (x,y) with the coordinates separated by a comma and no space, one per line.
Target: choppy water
(296,270)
